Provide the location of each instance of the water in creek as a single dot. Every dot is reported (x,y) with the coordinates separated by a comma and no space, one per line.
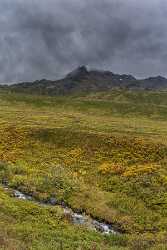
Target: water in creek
(75,218)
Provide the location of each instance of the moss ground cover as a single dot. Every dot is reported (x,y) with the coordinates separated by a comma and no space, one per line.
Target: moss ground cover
(104,154)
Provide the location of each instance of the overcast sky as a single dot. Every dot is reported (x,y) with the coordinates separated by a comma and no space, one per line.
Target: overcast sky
(48,38)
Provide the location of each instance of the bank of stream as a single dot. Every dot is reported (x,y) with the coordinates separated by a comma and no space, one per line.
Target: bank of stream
(75,218)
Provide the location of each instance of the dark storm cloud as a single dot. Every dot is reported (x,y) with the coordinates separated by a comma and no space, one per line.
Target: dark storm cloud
(47,38)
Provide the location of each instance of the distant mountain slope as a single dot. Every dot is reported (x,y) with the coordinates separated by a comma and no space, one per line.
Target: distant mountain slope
(81,80)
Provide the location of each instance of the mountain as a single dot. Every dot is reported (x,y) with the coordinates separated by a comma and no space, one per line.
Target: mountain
(158,82)
(82,80)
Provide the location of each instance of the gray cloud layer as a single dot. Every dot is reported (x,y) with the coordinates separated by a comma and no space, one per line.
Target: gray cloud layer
(47,38)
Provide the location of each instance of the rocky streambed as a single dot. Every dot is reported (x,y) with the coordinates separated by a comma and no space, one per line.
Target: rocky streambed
(75,217)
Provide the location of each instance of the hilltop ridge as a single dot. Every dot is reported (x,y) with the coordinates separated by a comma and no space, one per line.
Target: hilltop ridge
(82,80)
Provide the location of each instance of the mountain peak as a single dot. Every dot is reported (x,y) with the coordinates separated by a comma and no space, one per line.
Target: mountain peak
(81,71)
(157,78)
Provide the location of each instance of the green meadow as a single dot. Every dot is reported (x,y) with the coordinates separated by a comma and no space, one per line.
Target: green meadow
(104,154)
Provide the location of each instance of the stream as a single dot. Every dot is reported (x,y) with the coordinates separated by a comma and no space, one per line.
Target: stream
(75,218)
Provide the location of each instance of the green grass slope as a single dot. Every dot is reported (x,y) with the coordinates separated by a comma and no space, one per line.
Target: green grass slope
(104,154)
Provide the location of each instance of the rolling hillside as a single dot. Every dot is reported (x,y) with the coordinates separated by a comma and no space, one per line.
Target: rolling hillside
(104,154)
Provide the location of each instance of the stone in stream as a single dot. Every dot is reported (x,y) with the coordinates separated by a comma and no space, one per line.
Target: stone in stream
(63,204)
(53,201)
(78,219)
(103,228)
(21,196)
(75,218)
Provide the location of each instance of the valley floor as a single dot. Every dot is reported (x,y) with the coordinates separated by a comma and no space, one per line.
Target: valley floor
(104,154)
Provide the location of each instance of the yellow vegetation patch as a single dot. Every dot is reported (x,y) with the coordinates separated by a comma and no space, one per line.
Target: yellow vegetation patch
(12,141)
(73,155)
(110,168)
(140,169)
(76,152)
